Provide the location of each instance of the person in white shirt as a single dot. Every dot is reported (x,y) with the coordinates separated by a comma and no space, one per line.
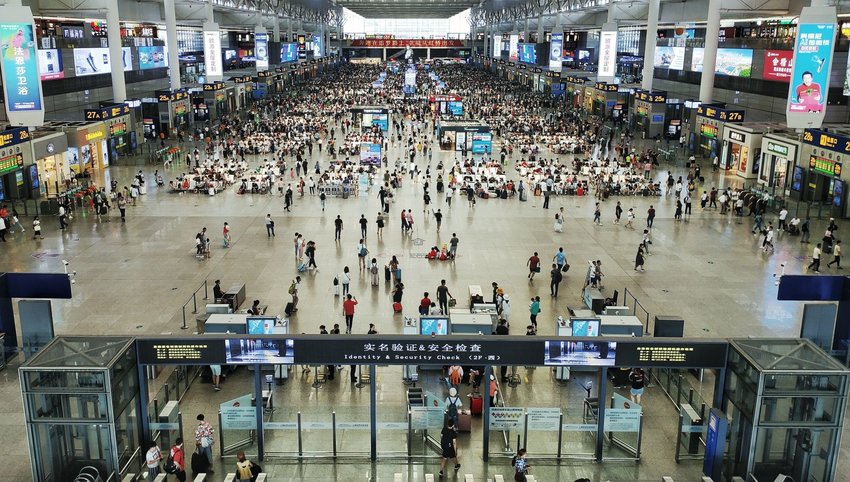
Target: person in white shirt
(815,264)
(768,238)
(630,217)
(782,215)
(836,253)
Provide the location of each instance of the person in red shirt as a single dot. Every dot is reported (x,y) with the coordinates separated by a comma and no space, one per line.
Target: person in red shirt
(348,311)
(179,458)
(424,304)
(533,265)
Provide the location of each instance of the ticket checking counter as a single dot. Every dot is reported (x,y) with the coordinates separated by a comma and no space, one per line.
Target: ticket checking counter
(120,129)
(215,98)
(50,150)
(826,153)
(16,157)
(263,84)
(778,161)
(173,111)
(707,133)
(575,89)
(800,395)
(605,98)
(742,148)
(649,109)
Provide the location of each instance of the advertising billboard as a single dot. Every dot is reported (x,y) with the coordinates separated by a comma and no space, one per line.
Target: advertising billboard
(607,54)
(88,61)
(847,78)
(809,81)
(21,81)
(288,52)
(777,65)
(497,45)
(127,58)
(370,154)
(50,64)
(528,53)
(731,62)
(672,58)
(152,58)
(482,143)
(212,54)
(318,46)
(261,50)
(513,47)
(556,51)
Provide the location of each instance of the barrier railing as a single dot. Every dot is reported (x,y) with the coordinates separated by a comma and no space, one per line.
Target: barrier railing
(194,301)
(636,309)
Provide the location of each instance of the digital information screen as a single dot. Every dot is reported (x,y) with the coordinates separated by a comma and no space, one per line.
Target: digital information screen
(181,352)
(633,353)
(418,349)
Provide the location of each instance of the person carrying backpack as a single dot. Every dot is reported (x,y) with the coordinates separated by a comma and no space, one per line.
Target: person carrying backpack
(453,405)
(520,465)
(176,461)
(246,471)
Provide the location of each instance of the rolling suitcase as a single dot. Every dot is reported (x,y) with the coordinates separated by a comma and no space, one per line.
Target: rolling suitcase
(476,404)
(396,307)
(200,464)
(464,421)
(288,309)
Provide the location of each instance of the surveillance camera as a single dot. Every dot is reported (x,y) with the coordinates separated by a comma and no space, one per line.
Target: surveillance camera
(75,273)
(73,281)
(65,262)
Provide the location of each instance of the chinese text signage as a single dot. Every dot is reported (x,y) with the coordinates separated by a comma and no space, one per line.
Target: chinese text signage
(833,142)
(812,61)
(777,65)
(212,54)
(21,81)
(825,166)
(420,43)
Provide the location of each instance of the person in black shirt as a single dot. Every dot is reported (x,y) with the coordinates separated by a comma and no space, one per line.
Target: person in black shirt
(439,216)
(363,224)
(448,445)
(337,227)
(502,329)
(218,293)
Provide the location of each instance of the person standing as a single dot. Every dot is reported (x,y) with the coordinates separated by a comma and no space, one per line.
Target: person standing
(269,225)
(836,255)
(122,207)
(362,251)
(688,204)
(215,371)
(782,215)
(448,445)
(348,311)
(287,198)
(363,225)
(152,459)
(439,217)
(597,215)
(804,228)
(534,310)
(521,466)
(244,468)
(204,439)
(310,251)
(36,228)
(443,296)
(638,381)
(557,277)
(374,272)
(178,456)
(533,264)
(815,264)
(379,220)
(345,280)
(293,291)
(322,198)
(338,228)
(453,246)
(225,233)
(650,216)
(62,222)
(618,211)
(3,229)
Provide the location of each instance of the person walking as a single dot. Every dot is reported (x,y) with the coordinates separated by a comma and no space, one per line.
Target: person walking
(204,439)
(178,457)
(768,238)
(345,280)
(650,216)
(453,246)
(269,225)
(815,264)
(348,311)
(244,468)
(122,207)
(618,211)
(153,457)
(560,257)
(638,381)
(533,264)
(836,255)
(362,251)
(36,228)
(448,445)
(443,296)
(374,272)
(520,465)
(630,218)
(640,257)
(597,215)
(293,291)
(379,220)
(225,233)
(687,204)
(363,226)
(62,219)
(439,217)
(338,228)
(557,277)
(534,310)
(646,242)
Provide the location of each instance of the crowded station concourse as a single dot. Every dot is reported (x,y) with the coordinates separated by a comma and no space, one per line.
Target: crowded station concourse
(419,184)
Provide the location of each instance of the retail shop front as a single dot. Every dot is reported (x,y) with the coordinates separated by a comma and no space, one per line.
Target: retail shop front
(120,129)
(50,151)
(709,121)
(742,148)
(87,147)
(826,153)
(778,161)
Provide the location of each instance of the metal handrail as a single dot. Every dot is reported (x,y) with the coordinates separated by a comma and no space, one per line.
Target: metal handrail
(626,294)
(194,300)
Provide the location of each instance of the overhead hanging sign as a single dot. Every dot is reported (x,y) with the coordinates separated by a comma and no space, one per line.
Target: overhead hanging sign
(513,47)
(607,52)
(21,82)
(812,63)
(261,49)
(497,45)
(212,52)
(556,51)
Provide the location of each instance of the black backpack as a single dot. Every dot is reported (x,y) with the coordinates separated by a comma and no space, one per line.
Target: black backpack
(170,467)
(452,410)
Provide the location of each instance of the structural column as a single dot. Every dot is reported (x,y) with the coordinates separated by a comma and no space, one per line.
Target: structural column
(649,48)
(276,30)
(541,34)
(709,60)
(113,35)
(171,32)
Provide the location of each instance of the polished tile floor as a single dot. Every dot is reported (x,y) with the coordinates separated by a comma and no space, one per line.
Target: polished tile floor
(133,277)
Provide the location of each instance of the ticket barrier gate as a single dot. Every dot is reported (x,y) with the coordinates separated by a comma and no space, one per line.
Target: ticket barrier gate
(691,430)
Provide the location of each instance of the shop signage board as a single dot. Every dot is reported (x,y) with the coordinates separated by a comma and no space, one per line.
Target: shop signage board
(737,136)
(622,420)
(21,80)
(721,114)
(833,142)
(11,137)
(108,112)
(778,149)
(543,419)
(413,43)
(812,64)
(507,418)
(651,97)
